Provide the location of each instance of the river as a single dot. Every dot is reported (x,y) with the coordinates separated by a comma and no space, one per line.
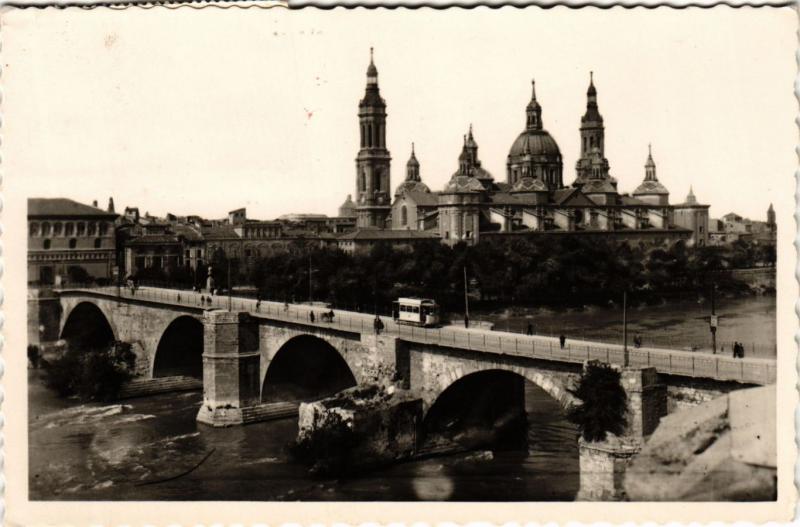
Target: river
(677,325)
(117,452)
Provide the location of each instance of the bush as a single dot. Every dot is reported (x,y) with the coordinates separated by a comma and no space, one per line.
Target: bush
(603,403)
(91,374)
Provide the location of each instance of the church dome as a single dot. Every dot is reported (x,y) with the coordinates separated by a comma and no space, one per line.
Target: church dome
(529,184)
(535,143)
(463,184)
(411,186)
(650,187)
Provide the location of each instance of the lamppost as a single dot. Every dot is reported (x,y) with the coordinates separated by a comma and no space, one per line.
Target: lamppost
(626,358)
(712,322)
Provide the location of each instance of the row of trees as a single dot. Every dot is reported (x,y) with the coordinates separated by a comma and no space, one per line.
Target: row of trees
(554,271)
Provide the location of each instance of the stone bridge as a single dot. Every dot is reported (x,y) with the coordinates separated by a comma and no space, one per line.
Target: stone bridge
(181,333)
(254,356)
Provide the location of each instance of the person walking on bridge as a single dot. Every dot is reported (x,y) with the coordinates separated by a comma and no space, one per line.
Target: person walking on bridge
(562,340)
(311,316)
(530,329)
(378,323)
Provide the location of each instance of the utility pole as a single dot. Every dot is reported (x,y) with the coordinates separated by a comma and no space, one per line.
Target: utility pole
(712,323)
(310,289)
(625,327)
(230,285)
(466,298)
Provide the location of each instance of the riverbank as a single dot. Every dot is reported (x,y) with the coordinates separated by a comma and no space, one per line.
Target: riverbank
(676,325)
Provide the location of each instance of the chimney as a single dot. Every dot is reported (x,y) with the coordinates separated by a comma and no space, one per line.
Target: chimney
(110,204)
(94,203)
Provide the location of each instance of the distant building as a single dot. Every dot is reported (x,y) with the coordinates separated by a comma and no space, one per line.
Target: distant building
(693,216)
(69,239)
(733,227)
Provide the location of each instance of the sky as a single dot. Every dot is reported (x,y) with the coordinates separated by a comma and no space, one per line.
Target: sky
(202,111)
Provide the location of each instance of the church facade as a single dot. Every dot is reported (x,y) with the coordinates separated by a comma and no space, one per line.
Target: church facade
(532,199)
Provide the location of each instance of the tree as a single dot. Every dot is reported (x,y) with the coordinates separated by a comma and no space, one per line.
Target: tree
(603,403)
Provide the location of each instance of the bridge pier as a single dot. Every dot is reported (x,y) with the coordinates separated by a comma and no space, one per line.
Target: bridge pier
(231,362)
(603,463)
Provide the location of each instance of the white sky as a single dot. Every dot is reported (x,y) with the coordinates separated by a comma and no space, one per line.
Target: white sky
(202,111)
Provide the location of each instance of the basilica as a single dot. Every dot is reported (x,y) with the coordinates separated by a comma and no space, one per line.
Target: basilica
(532,199)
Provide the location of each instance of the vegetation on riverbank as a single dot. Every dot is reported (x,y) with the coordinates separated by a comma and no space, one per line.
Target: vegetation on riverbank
(537,271)
(602,404)
(90,374)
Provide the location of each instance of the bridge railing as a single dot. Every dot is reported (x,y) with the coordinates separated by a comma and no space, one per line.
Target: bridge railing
(673,362)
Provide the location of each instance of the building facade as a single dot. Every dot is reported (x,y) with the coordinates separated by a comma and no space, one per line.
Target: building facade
(69,241)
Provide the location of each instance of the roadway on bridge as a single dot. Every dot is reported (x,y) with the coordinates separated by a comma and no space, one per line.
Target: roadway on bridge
(673,362)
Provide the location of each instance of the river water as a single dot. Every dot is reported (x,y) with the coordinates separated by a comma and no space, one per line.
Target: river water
(122,451)
(676,325)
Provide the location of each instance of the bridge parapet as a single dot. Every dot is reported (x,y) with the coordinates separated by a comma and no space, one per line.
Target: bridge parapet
(670,362)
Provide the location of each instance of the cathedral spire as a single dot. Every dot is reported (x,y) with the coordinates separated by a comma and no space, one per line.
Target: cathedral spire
(650,166)
(534,110)
(372,71)
(412,167)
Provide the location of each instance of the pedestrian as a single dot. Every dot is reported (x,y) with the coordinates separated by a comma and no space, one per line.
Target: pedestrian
(258,305)
(466,321)
(33,356)
(637,341)
(378,325)
(741,350)
(179,297)
(311,316)
(530,329)
(563,340)
(330,315)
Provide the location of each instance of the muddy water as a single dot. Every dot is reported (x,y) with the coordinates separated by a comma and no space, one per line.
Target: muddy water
(127,451)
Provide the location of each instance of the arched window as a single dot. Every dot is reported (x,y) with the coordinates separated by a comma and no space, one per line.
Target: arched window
(97,243)
(403,216)
(103,228)
(34,229)
(369,135)
(362,182)
(46,244)
(81,229)
(73,243)
(92,228)
(57,228)
(69,229)
(46,229)
(376,180)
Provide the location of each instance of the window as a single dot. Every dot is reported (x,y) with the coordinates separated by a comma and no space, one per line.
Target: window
(73,243)
(91,229)
(57,227)
(81,229)
(34,229)
(46,244)
(69,229)
(187,254)
(97,243)
(403,215)
(103,228)
(46,229)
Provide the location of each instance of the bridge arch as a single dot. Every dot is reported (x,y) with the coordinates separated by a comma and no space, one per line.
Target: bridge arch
(87,327)
(306,367)
(483,406)
(180,349)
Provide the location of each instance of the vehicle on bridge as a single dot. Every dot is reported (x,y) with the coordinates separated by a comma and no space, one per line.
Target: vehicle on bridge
(422,312)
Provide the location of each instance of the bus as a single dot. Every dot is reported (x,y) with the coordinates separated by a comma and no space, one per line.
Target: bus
(422,312)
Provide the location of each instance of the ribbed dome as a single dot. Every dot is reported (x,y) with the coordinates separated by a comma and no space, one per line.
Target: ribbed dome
(463,184)
(529,184)
(650,187)
(411,186)
(534,143)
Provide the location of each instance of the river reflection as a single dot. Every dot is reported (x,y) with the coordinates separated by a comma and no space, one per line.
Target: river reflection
(131,451)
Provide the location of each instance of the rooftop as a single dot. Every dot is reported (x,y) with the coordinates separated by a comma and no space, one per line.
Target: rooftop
(64,207)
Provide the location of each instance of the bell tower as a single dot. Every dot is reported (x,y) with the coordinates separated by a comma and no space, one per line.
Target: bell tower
(592,138)
(373,161)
